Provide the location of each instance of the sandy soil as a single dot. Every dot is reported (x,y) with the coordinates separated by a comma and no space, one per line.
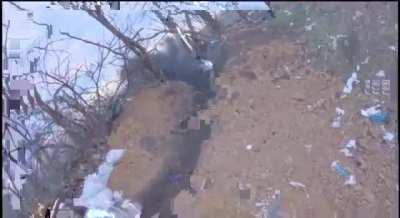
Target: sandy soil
(265,103)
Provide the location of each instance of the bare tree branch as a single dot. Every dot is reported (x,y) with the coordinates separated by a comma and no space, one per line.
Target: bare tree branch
(92,43)
(152,36)
(172,27)
(17,6)
(133,45)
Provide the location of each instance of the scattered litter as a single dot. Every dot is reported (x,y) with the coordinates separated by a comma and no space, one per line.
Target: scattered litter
(365,61)
(349,84)
(338,118)
(351,144)
(339,111)
(275,206)
(206,65)
(380,118)
(343,172)
(388,136)
(244,191)
(351,180)
(393,48)
(371,111)
(287,12)
(349,148)
(297,184)
(249,147)
(376,115)
(301,186)
(318,104)
(291,24)
(346,152)
(336,122)
(358,68)
(334,40)
(381,73)
(309,27)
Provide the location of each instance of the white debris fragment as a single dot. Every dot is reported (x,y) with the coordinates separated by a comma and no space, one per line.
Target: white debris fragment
(291,24)
(207,65)
(371,111)
(338,118)
(365,61)
(349,84)
(349,148)
(346,152)
(339,111)
(334,40)
(309,26)
(358,68)
(393,48)
(381,73)
(287,12)
(351,144)
(388,136)
(297,184)
(249,147)
(351,180)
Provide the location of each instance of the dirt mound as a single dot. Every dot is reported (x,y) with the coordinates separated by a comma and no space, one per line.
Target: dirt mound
(142,129)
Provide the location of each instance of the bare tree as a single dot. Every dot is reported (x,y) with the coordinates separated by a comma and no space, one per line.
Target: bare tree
(133,45)
(172,26)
